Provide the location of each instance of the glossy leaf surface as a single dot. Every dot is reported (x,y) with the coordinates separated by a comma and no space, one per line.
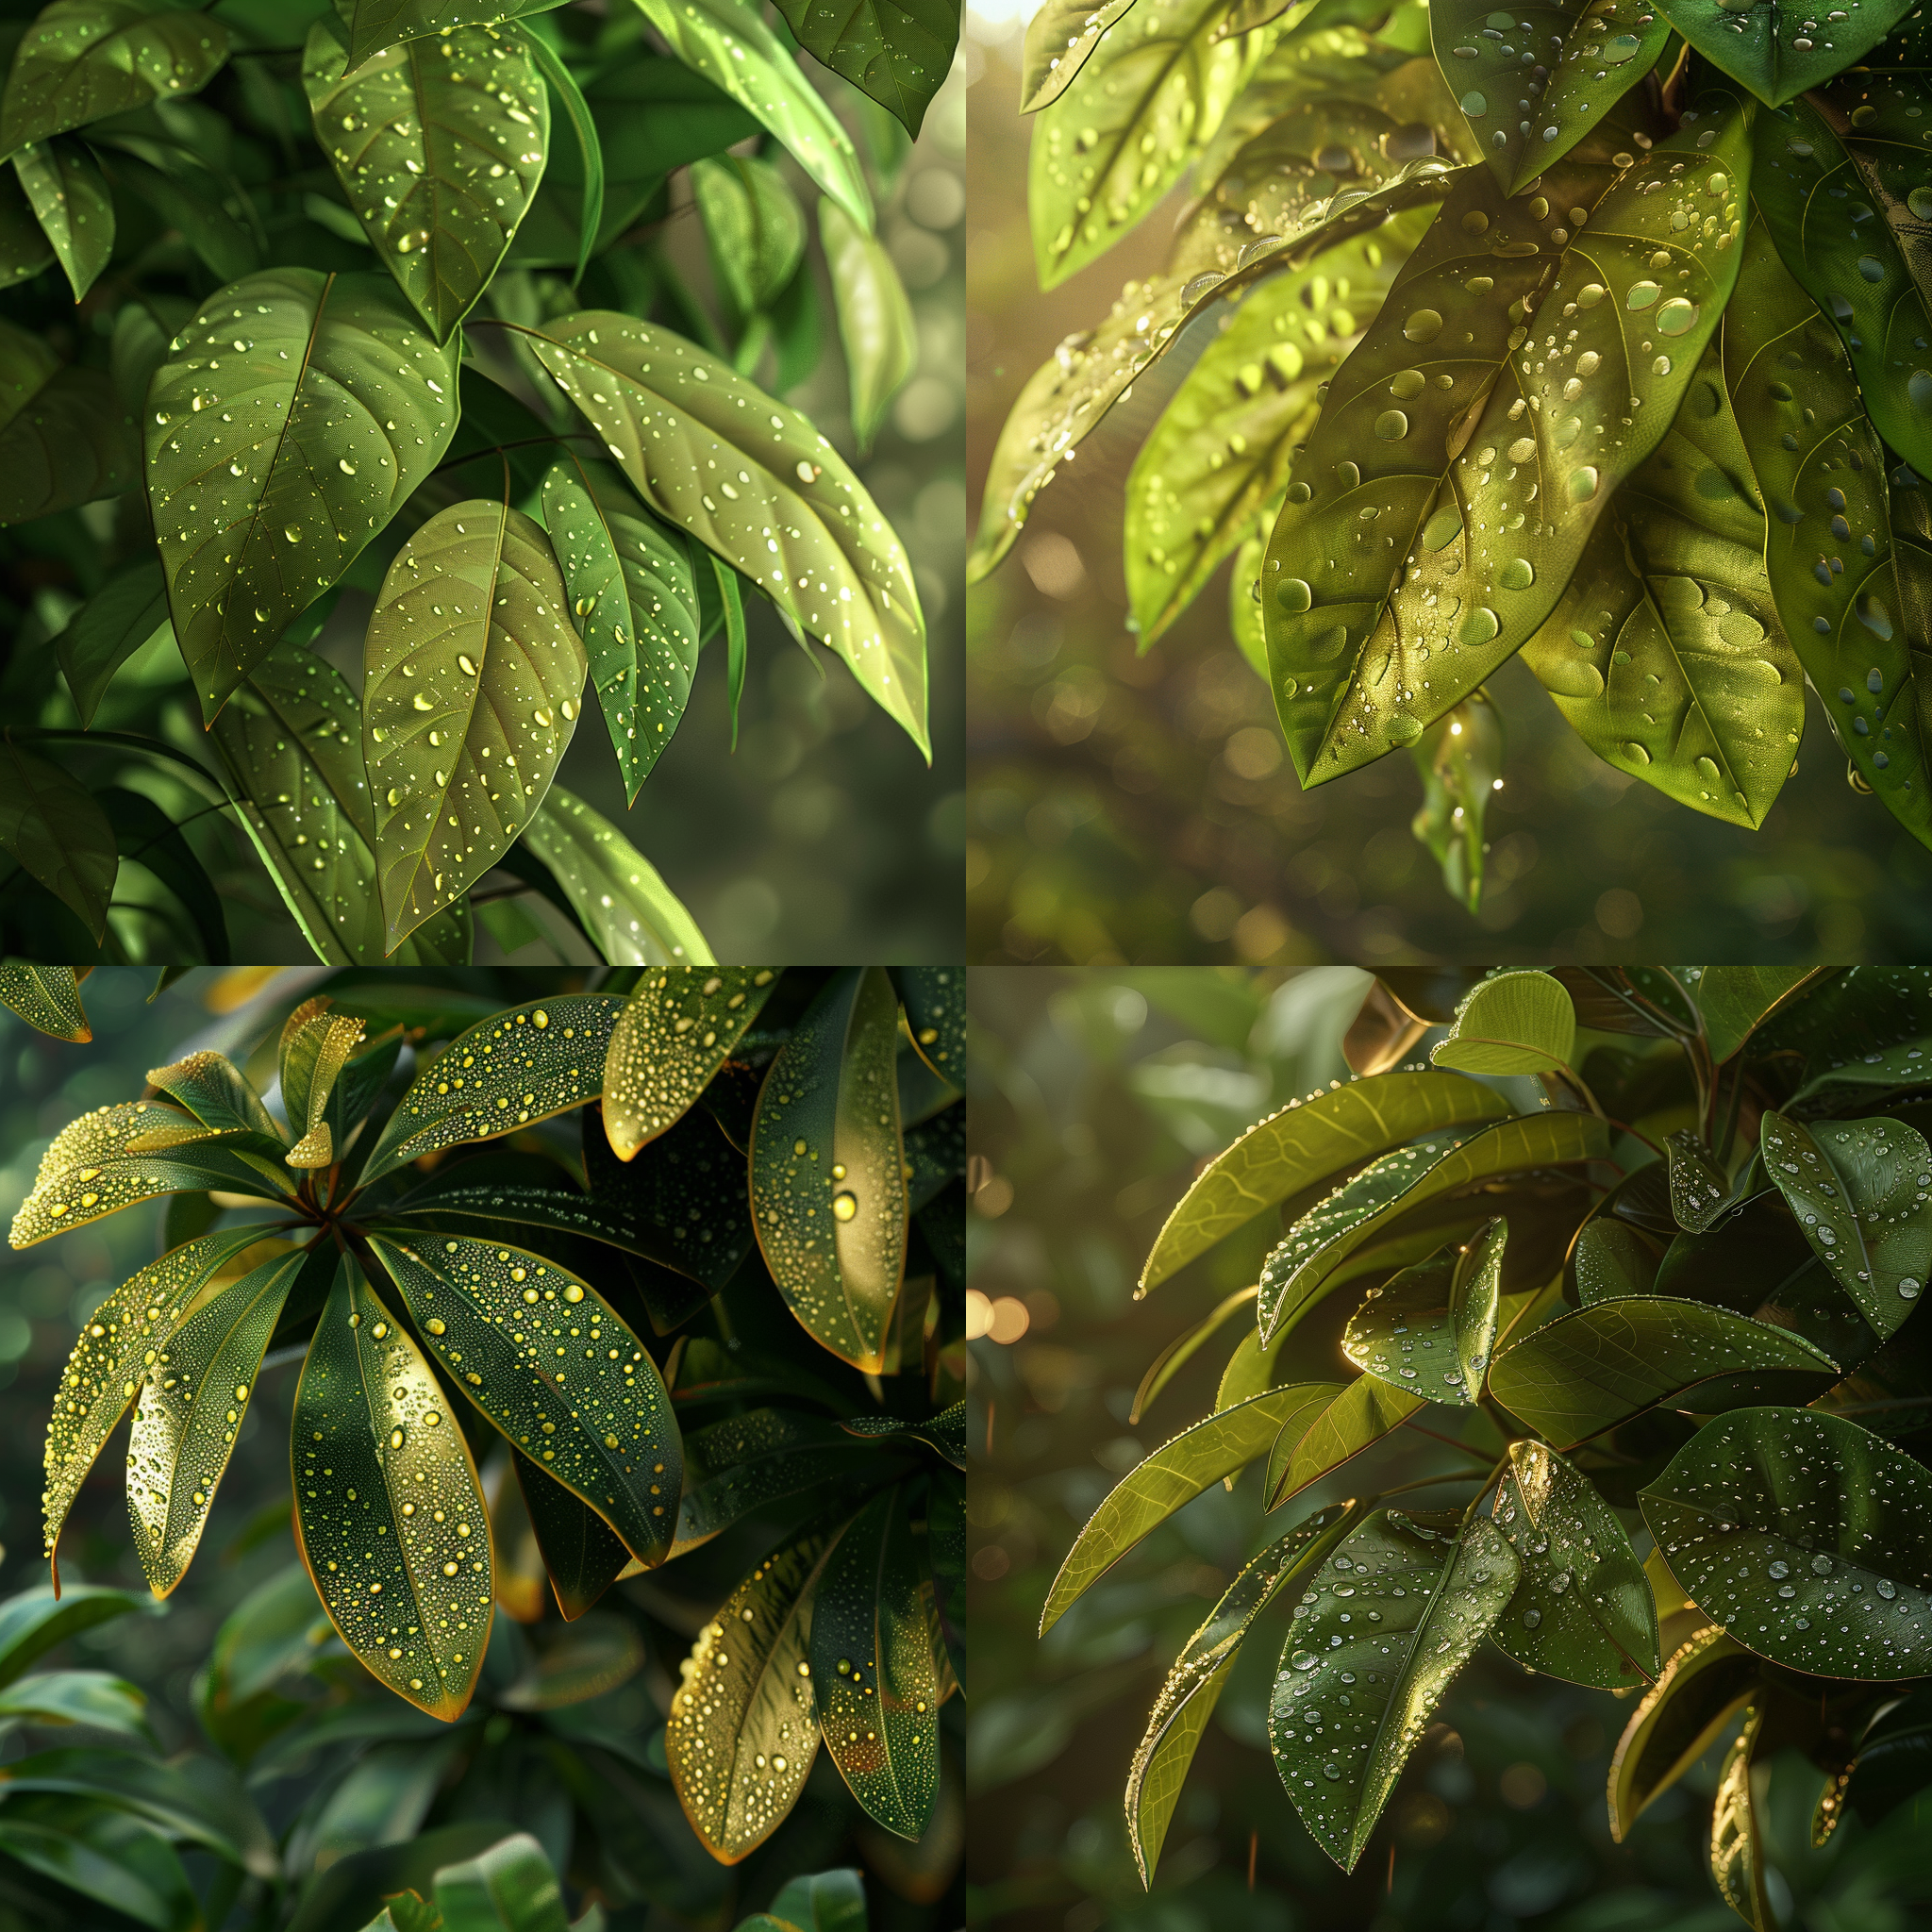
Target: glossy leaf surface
(1737,1836)
(271,458)
(899,51)
(48,998)
(374,25)
(1059,36)
(1513,1023)
(676,1029)
(1778,50)
(753,1462)
(876,325)
(1677,1719)
(315,1046)
(1805,1536)
(74,205)
(1438,1595)
(683,1200)
(1430,1330)
(1460,759)
(827,1181)
(390,1518)
(754,225)
(1734,1001)
(1585,1372)
(1303,1144)
(1697,1184)
(59,834)
(581,1552)
(1332,1424)
(439,144)
(555,1369)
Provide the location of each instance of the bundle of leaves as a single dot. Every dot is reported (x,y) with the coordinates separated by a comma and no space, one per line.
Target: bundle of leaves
(731,1309)
(1656,1320)
(385,295)
(1593,332)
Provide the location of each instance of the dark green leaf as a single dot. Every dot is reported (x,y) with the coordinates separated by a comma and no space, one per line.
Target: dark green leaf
(578,1664)
(71,203)
(1437,1594)
(209,213)
(216,1092)
(822,1902)
(103,1854)
(748,1463)
(898,52)
(1737,1839)
(1777,50)
(1701,1684)
(25,249)
(1735,1001)
(1514,1023)
(148,836)
(682,1200)
(1698,1184)
(65,437)
(1428,1331)
(1059,36)
(353,1890)
(510,1887)
(876,325)
(945,1434)
(581,1552)
(48,998)
(1333,1423)
(33,1621)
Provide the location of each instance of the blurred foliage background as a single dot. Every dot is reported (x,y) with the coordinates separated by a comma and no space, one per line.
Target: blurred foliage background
(1131,808)
(47,1292)
(1095,1096)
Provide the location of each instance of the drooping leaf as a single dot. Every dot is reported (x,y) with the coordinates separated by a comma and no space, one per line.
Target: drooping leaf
(876,325)
(1447,470)
(1332,1424)
(374,25)
(754,225)
(1438,1593)
(1059,36)
(840,573)
(439,144)
(828,1167)
(86,60)
(1781,51)
(1860,1192)
(65,437)
(48,998)
(390,1518)
(1737,1838)
(1173,1475)
(33,1621)
(1514,1023)
(729,43)
(1593,56)
(1701,1684)
(1304,1144)
(1302,1269)
(1460,760)
(898,52)
(1803,1534)
(270,458)
(616,893)
(1734,1001)
(742,1731)
(72,205)
(751,1462)
(1429,1329)
(1698,1184)
(1583,1372)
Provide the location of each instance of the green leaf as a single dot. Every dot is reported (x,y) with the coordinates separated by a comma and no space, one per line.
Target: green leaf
(742,1732)
(897,52)
(209,213)
(729,43)
(1770,1500)
(944,1434)
(471,678)
(1436,1592)
(1460,760)
(48,999)
(752,1462)
(1446,469)
(1059,36)
(1430,1330)
(315,1046)
(439,144)
(145,834)
(1594,56)
(72,205)
(1171,1476)
(754,225)
(103,1854)
(1702,1684)
(215,1092)
(191,1404)
(292,737)
(1583,1607)
(1301,1269)
(86,60)
(59,833)
(1801,405)
(1665,650)
(1332,1423)
(1585,1373)
(92,1698)
(1698,1184)
(876,1669)
(731,605)
(326,362)
(822,1902)
(639,387)
(380,1466)
(1515,1022)
(1301,1145)
(581,1552)
(1737,1840)
(64,436)
(25,249)
(1860,1190)
(122,616)
(33,1621)
(617,893)
(1194,1683)
(1735,1001)
(876,325)
(564,86)
(499,1320)
(828,1167)
(374,25)
(683,1201)
(1775,50)
(510,1887)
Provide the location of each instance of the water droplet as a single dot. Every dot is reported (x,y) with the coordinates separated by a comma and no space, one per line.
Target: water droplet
(1304,1660)
(1531,1617)
(1521,449)
(1677,316)
(1422,325)
(1474,106)
(1582,484)
(1517,575)
(1332,1771)
(1779,1568)
(1293,596)
(1919,202)
(1661,366)
(1392,426)
(292,533)
(1479,626)
(1641,294)
(1443,528)
(1406,383)
(844,1206)
(345,466)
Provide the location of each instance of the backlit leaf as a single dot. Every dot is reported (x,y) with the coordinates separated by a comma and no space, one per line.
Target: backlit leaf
(1437,1594)
(390,1518)
(1459,758)
(827,1180)
(1059,36)
(899,51)
(1511,1023)
(1778,51)
(1430,1330)
(1734,1001)
(1737,1841)
(1332,1424)
(1701,1684)
(72,205)
(439,144)
(754,225)
(271,460)
(48,998)
(839,570)
(65,437)
(876,325)
(217,1094)
(374,25)
(315,1046)
(1182,1350)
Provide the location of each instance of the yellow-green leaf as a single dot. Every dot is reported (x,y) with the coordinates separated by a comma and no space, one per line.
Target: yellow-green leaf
(48,998)
(1737,1839)
(1677,1719)
(876,325)
(315,1046)
(214,1091)
(1330,1427)
(374,25)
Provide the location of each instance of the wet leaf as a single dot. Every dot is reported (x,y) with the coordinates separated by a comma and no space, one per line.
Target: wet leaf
(390,1518)
(754,225)
(683,1199)
(944,1434)
(1302,1269)
(1445,471)
(1843,583)
(86,60)
(1059,36)
(374,25)
(1583,1609)
(617,893)
(1665,651)
(1779,51)
(1460,760)
(1193,1685)
(439,144)
(708,428)
(1698,1692)
(876,325)
(216,1092)
(1174,1475)
(1303,1144)
(749,1463)
(581,1552)
(123,615)
(1428,1331)
(25,249)
(1698,1184)
(742,1732)
(1244,591)
(1736,1842)
(1438,1595)
(74,205)
(65,437)
(828,1167)
(271,460)
(677,1028)
(472,676)
(1512,1022)
(315,1046)
(192,1399)
(729,43)
(48,998)
(898,52)
(1734,1001)
(1583,1373)
(504,1323)
(1332,1425)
